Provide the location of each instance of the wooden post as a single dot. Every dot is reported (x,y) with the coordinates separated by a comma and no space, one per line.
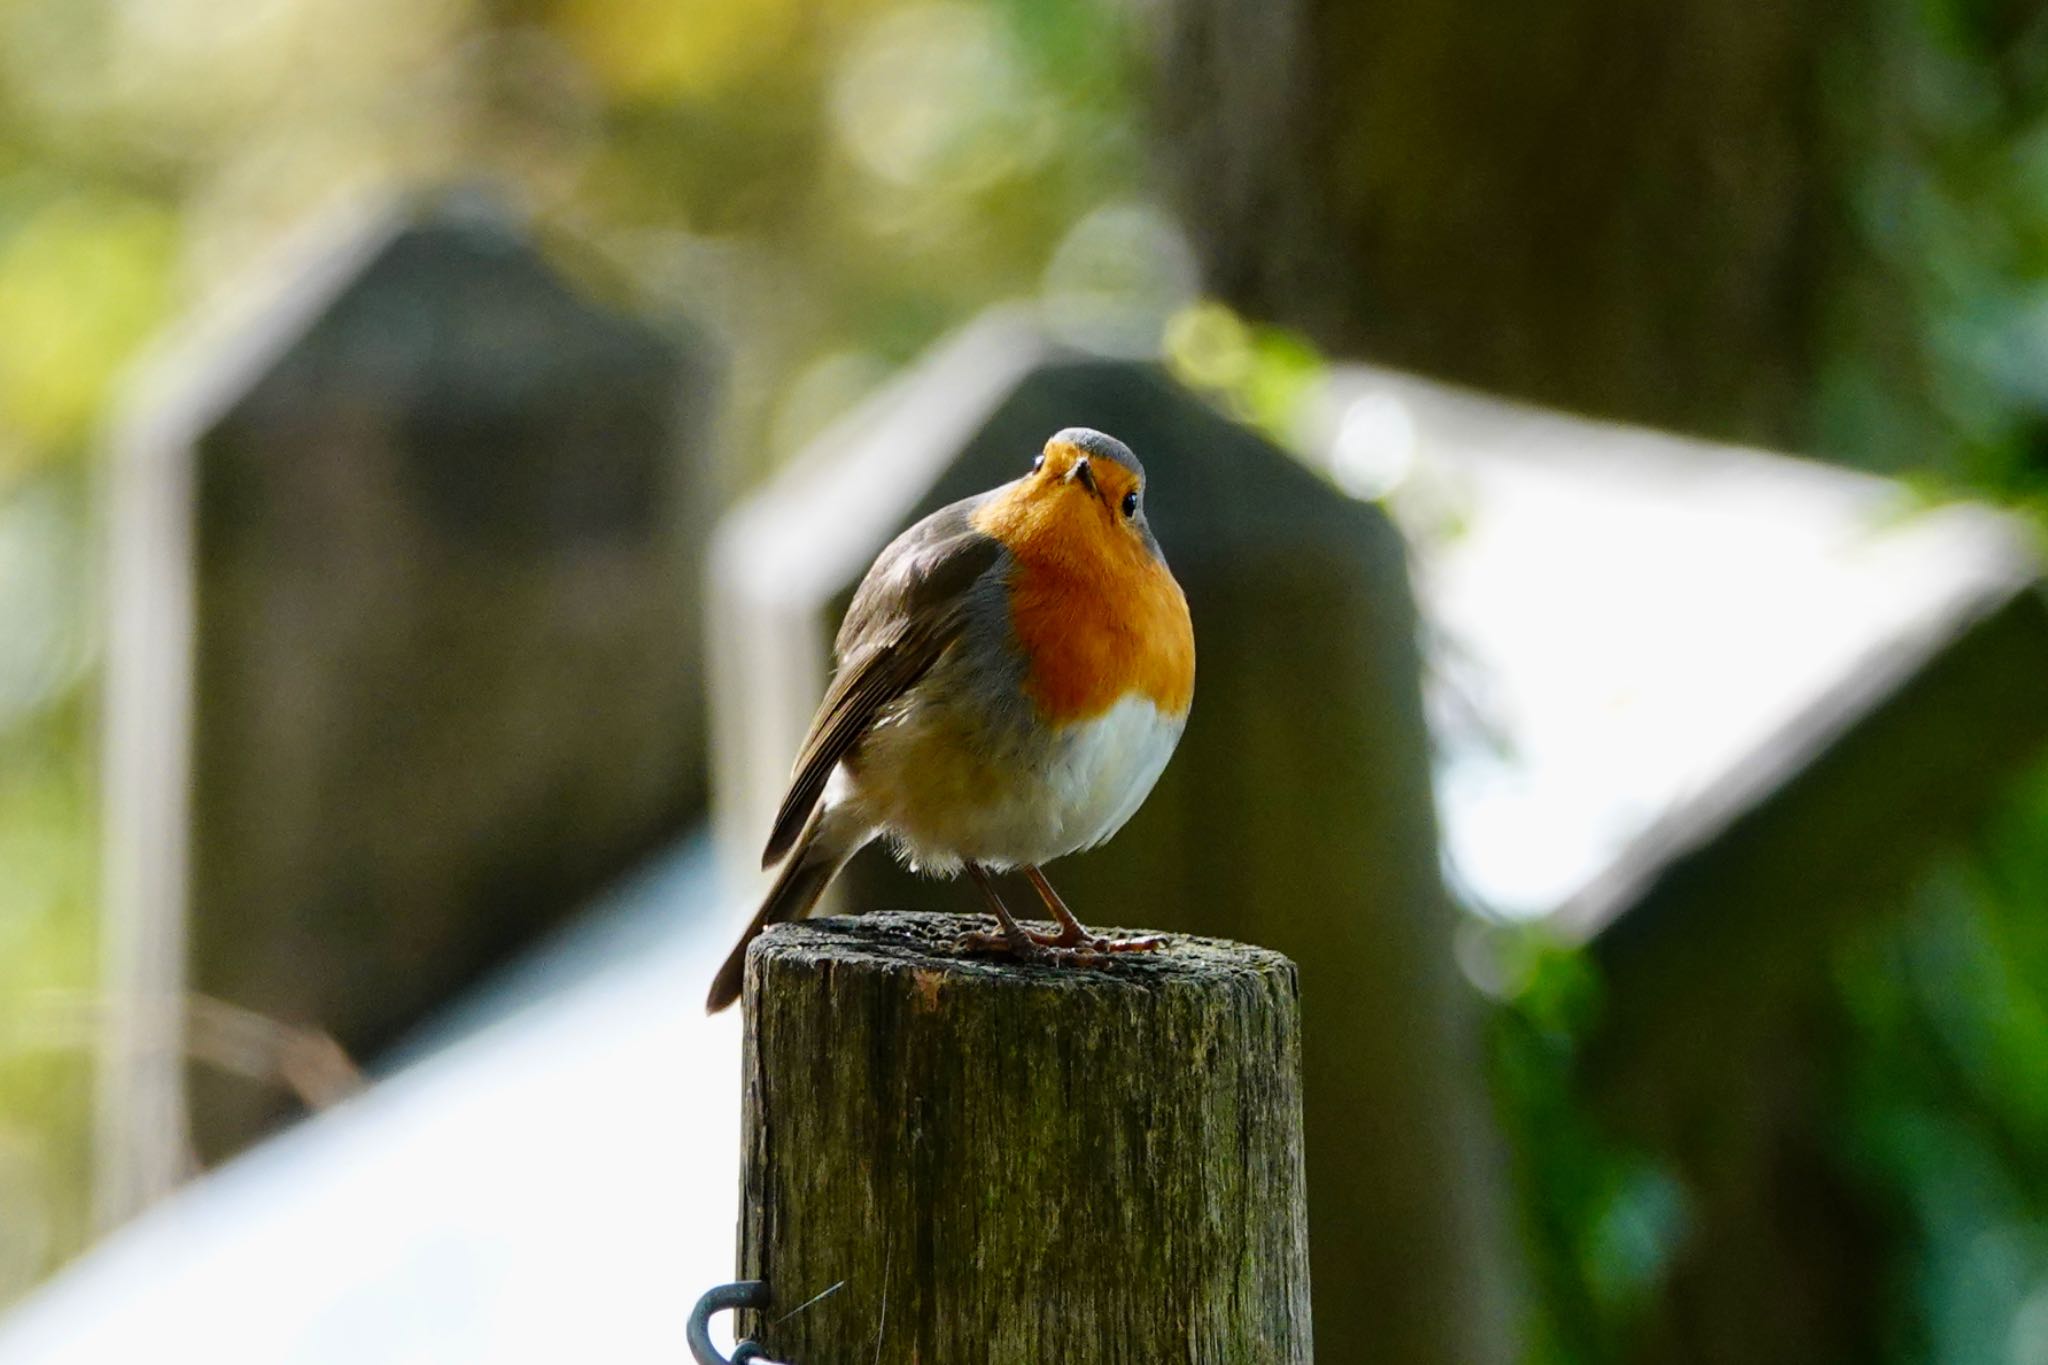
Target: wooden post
(1011,1164)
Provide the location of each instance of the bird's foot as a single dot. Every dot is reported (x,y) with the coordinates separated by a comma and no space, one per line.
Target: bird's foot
(1136,943)
(1079,939)
(1024,945)
(1065,948)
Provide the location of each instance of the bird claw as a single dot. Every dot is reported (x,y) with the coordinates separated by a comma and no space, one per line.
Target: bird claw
(1029,948)
(1137,943)
(1082,941)
(1058,949)
(977,941)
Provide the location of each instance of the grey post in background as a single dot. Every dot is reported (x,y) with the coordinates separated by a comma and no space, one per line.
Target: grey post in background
(404,653)
(1296,815)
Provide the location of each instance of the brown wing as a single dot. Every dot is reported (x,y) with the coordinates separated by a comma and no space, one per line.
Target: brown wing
(905,613)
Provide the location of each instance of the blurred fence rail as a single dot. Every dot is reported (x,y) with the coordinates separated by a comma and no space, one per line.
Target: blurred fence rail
(403,656)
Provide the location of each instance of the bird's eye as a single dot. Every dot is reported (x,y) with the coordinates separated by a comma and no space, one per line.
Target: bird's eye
(1038,463)
(1131,503)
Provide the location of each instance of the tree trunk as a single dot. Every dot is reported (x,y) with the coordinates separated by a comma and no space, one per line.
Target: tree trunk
(1609,207)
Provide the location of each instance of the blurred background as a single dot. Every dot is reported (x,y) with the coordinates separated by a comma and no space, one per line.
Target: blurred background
(373,376)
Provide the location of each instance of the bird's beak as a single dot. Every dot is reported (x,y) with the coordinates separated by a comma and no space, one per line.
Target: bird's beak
(1080,470)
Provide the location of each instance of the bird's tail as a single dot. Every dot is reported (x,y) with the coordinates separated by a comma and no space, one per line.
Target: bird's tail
(819,852)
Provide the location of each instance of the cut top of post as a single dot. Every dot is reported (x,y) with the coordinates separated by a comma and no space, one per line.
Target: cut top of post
(922,947)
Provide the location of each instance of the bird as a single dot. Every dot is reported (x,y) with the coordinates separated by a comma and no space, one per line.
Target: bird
(1012,676)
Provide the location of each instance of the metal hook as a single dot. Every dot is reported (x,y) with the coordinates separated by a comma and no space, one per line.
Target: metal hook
(721,1299)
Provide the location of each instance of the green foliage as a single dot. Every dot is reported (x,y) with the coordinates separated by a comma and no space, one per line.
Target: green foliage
(1600,1219)
(1939,370)
(1946,1096)
(1259,374)
(1937,355)
(47,893)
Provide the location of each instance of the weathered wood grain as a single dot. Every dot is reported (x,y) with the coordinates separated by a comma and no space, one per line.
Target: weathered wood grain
(1011,1164)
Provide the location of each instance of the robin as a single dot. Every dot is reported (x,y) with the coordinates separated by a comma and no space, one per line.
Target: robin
(1013,675)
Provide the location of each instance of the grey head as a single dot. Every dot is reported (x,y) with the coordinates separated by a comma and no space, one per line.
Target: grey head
(1100,445)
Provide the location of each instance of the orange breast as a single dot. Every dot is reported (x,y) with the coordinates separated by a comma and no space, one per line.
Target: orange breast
(1098,616)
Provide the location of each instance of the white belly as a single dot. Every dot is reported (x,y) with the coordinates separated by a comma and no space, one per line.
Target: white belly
(943,798)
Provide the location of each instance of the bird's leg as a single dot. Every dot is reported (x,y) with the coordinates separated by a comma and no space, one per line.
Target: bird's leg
(1013,937)
(1073,934)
